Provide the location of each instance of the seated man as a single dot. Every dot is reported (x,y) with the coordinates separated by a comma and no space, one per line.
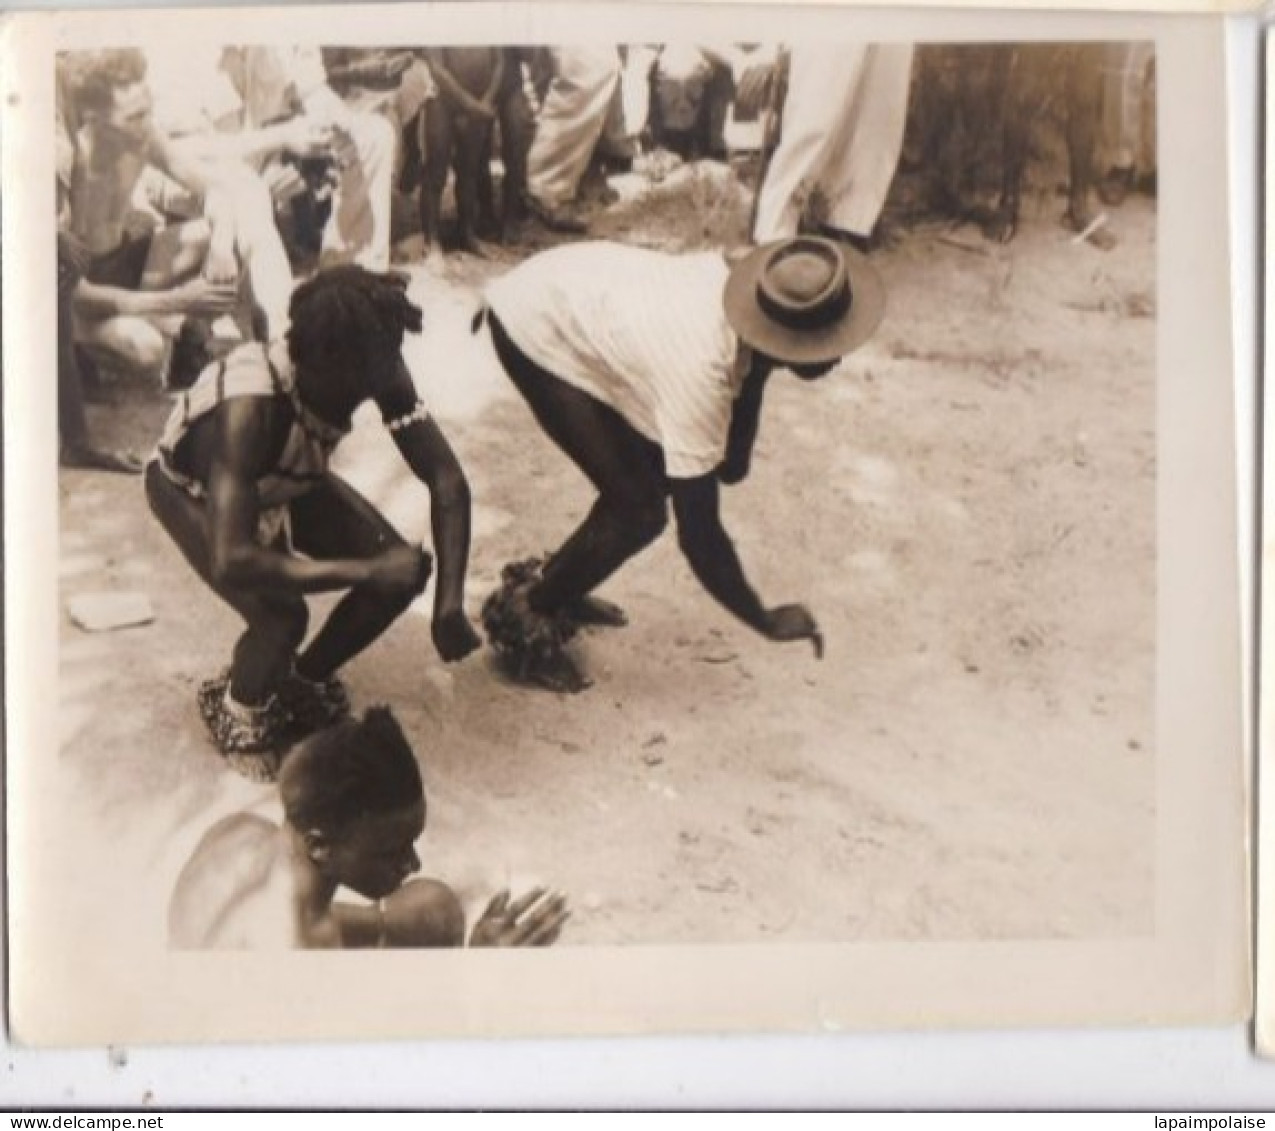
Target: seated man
(648,370)
(240,481)
(354,808)
(143,279)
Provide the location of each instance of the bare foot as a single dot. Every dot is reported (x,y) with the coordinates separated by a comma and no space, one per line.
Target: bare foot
(595,611)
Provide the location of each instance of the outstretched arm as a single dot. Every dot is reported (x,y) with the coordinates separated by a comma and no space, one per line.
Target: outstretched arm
(430,456)
(713,559)
(297,137)
(196,296)
(451,88)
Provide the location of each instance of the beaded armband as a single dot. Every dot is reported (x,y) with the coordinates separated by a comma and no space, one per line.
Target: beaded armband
(419,414)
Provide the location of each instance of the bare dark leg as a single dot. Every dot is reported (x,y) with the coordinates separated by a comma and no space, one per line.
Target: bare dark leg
(276,622)
(625,467)
(77,448)
(473,150)
(1014,90)
(331,521)
(251,734)
(436,145)
(517,125)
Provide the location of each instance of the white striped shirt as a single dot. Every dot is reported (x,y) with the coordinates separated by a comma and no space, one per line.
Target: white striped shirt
(642,331)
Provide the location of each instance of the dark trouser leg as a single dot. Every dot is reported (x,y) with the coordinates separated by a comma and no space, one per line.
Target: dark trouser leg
(334,521)
(1015,89)
(276,622)
(1084,104)
(73,428)
(625,467)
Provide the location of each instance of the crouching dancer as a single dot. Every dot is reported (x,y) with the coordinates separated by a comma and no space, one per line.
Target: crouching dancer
(241,483)
(354,808)
(648,370)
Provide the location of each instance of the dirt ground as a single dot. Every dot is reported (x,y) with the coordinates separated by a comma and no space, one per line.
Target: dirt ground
(967,505)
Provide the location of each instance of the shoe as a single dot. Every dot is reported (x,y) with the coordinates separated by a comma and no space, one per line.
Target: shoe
(862,244)
(98,459)
(1115,186)
(556,219)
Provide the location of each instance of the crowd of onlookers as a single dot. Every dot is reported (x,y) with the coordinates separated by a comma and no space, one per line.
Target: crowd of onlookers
(194,189)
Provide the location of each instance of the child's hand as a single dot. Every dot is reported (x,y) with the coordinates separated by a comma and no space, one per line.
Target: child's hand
(503,924)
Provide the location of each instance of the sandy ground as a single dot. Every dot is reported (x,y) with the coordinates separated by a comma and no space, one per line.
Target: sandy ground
(967,506)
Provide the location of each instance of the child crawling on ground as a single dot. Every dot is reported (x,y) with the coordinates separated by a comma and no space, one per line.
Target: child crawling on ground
(354,806)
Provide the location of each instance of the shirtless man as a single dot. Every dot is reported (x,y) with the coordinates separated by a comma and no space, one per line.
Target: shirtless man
(354,808)
(648,370)
(141,282)
(240,481)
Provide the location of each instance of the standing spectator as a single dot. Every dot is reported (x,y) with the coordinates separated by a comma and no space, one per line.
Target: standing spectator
(842,132)
(572,118)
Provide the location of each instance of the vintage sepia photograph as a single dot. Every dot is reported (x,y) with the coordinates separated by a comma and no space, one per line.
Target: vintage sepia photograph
(703,495)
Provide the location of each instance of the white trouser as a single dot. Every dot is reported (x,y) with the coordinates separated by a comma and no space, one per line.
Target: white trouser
(1125,141)
(359,229)
(842,132)
(571,121)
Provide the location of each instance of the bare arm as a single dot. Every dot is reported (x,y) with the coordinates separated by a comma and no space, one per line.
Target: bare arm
(710,551)
(100,300)
(430,456)
(298,137)
(713,559)
(452,90)
(744,420)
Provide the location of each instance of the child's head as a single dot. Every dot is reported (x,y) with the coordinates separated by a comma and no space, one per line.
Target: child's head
(349,324)
(353,792)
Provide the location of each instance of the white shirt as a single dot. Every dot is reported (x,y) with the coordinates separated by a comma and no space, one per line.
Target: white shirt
(641,331)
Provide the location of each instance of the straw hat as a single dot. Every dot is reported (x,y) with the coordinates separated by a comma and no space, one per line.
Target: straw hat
(804,300)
